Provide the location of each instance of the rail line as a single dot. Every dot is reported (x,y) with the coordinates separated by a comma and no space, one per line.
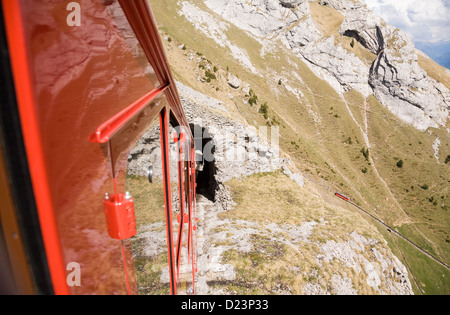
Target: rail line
(391,230)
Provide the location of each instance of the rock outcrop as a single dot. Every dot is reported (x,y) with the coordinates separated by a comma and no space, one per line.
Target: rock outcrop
(234,81)
(250,154)
(404,87)
(395,77)
(234,149)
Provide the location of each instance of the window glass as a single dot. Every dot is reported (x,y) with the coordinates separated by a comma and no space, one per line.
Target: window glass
(134,150)
(149,246)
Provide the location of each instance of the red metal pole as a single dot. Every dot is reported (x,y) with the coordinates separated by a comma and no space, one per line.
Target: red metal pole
(33,143)
(167,196)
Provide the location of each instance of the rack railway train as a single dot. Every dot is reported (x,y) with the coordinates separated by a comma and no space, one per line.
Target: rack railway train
(81,81)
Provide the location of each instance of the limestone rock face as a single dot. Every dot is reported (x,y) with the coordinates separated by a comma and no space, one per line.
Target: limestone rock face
(404,87)
(238,149)
(395,77)
(305,31)
(347,69)
(363,25)
(260,17)
(250,153)
(234,149)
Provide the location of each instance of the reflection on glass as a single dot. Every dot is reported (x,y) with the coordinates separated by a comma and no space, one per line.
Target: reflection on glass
(118,16)
(150,243)
(83,76)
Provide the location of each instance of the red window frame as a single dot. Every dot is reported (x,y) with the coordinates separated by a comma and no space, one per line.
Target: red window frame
(142,21)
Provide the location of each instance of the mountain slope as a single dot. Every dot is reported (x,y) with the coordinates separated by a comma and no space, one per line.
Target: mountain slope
(323,83)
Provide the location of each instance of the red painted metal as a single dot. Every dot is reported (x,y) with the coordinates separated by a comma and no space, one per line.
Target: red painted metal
(189,202)
(164,117)
(180,140)
(69,82)
(25,93)
(192,226)
(120,217)
(144,24)
(194,215)
(343,197)
(106,130)
(125,267)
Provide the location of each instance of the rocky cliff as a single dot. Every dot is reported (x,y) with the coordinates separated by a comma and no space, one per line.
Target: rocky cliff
(351,98)
(306,253)
(392,73)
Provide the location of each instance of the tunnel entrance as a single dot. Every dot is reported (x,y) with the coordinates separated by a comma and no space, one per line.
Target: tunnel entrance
(206,167)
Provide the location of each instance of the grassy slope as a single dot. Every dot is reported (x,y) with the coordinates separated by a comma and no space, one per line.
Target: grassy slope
(149,203)
(320,149)
(434,70)
(273,265)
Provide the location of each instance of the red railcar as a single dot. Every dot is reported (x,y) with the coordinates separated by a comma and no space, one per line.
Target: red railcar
(81,82)
(343,197)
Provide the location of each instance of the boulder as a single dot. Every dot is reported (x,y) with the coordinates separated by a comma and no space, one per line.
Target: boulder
(234,81)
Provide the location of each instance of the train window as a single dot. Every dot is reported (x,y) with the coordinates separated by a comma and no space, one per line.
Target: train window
(149,246)
(175,192)
(83,76)
(98,66)
(134,148)
(188,267)
(178,157)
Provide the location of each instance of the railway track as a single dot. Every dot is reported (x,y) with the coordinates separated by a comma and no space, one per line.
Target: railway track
(391,230)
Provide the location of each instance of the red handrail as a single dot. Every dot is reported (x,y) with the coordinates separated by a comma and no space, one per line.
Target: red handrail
(106,130)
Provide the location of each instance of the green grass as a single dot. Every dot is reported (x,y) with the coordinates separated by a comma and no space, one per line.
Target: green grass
(274,267)
(419,179)
(148,199)
(291,205)
(427,276)
(149,208)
